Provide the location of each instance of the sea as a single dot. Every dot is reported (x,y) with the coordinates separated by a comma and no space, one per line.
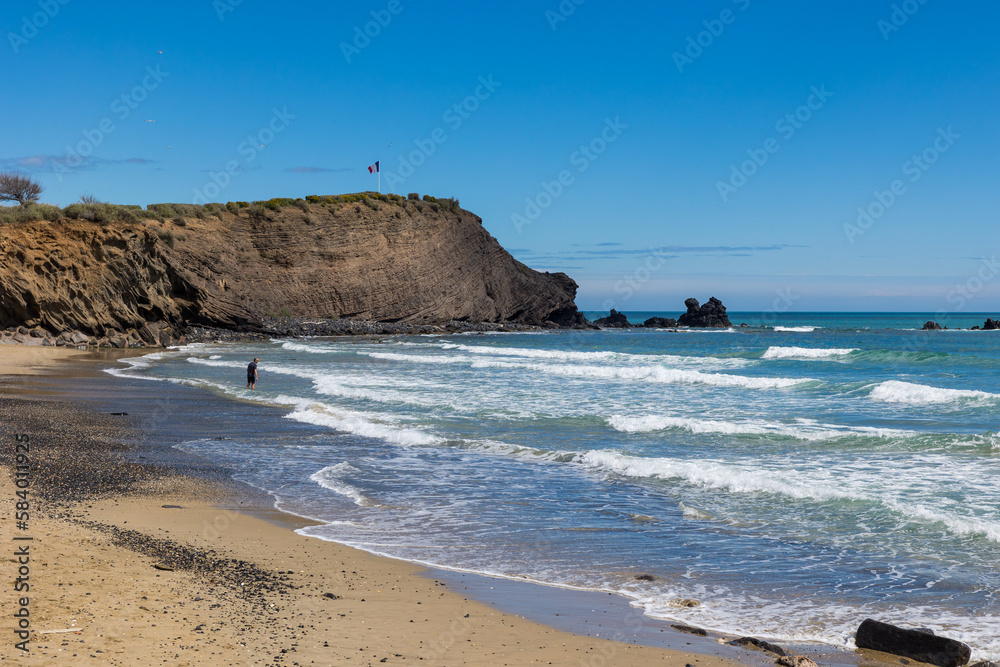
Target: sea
(785,480)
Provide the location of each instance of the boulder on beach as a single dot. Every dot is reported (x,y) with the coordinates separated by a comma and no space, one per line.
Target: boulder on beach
(614,320)
(931,325)
(711,314)
(760,644)
(918,645)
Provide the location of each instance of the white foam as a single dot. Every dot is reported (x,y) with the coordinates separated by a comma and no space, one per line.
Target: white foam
(655,374)
(895,391)
(135,364)
(359,424)
(648,373)
(796,329)
(698,425)
(332,478)
(775,352)
(312,348)
(594,357)
(715,475)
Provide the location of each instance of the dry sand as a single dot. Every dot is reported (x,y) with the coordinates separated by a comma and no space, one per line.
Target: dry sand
(32,360)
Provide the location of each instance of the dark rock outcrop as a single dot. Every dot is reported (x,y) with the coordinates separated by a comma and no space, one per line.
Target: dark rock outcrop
(760,644)
(689,629)
(385,261)
(614,320)
(991,324)
(660,323)
(710,314)
(913,644)
(930,325)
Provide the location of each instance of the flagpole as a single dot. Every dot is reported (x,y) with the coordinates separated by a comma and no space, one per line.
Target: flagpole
(380,177)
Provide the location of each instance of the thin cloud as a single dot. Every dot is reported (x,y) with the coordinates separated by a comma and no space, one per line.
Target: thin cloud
(314,170)
(670,251)
(53,163)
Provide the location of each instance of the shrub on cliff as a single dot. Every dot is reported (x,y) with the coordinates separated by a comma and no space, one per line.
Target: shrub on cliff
(15,186)
(102,212)
(29,213)
(167,236)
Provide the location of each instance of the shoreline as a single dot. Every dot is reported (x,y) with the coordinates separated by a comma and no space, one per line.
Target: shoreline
(208,491)
(103,537)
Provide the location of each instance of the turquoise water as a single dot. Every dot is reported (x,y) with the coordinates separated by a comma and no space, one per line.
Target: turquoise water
(793,479)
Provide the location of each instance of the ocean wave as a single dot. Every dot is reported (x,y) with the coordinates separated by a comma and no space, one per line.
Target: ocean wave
(589,356)
(305,347)
(775,352)
(332,478)
(895,391)
(648,373)
(697,425)
(320,414)
(656,374)
(804,329)
(135,364)
(713,475)
(736,479)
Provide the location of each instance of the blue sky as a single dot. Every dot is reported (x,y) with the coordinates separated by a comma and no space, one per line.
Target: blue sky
(652,150)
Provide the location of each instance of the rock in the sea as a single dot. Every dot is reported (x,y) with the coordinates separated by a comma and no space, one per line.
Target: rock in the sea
(795,661)
(753,642)
(913,644)
(614,320)
(991,324)
(660,323)
(690,629)
(931,326)
(710,314)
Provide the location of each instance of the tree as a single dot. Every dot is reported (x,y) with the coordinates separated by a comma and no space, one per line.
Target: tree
(15,186)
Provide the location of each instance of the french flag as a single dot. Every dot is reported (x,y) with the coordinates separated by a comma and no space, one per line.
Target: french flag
(374,168)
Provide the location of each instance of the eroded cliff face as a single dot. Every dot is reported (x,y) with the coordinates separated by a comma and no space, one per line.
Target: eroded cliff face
(383,262)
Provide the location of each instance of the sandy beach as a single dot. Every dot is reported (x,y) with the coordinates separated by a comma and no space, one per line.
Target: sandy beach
(136,564)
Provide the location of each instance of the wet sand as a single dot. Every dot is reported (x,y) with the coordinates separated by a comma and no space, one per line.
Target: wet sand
(142,555)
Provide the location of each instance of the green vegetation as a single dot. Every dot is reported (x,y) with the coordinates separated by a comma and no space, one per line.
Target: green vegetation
(30,213)
(92,209)
(101,212)
(167,236)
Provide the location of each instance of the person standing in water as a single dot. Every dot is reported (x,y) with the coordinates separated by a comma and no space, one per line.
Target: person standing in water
(252,373)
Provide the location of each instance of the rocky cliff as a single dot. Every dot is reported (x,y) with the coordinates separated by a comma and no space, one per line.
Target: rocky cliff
(380,260)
